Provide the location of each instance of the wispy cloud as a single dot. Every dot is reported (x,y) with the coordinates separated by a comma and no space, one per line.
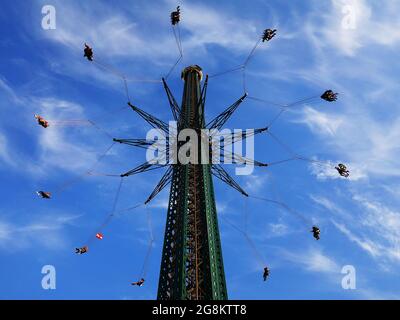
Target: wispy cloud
(330,205)
(159,203)
(6,88)
(278,229)
(254,183)
(209,26)
(313,260)
(4,150)
(367,245)
(320,122)
(351,25)
(58,147)
(46,232)
(326,170)
(375,230)
(355,128)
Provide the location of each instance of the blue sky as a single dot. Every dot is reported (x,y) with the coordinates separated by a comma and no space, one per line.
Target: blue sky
(43,71)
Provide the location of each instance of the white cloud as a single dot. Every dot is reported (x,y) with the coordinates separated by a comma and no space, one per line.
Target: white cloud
(128,41)
(115,33)
(46,232)
(277,229)
(320,122)
(373,294)
(367,221)
(330,206)
(372,26)
(376,230)
(367,245)
(4,150)
(118,35)
(59,147)
(326,170)
(254,183)
(209,26)
(386,224)
(347,40)
(221,207)
(325,202)
(360,127)
(392,189)
(366,143)
(4,232)
(159,203)
(5,87)
(313,260)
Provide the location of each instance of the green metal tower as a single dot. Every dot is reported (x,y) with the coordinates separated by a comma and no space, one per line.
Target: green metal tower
(191,264)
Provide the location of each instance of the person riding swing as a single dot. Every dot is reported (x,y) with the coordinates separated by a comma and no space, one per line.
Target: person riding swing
(329,96)
(138,283)
(176,16)
(41,121)
(266,273)
(343,171)
(268,34)
(44,194)
(88,52)
(81,250)
(316,232)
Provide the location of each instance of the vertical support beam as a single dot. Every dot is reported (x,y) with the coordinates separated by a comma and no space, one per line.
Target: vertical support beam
(191,265)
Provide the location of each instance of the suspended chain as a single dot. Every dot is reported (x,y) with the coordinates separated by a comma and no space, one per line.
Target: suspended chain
(285,206)
(88,172)
(149,247)
(258,255)
(179,45)
(109,216)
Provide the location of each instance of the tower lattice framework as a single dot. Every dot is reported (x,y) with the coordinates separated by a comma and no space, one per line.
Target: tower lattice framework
(191,263)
